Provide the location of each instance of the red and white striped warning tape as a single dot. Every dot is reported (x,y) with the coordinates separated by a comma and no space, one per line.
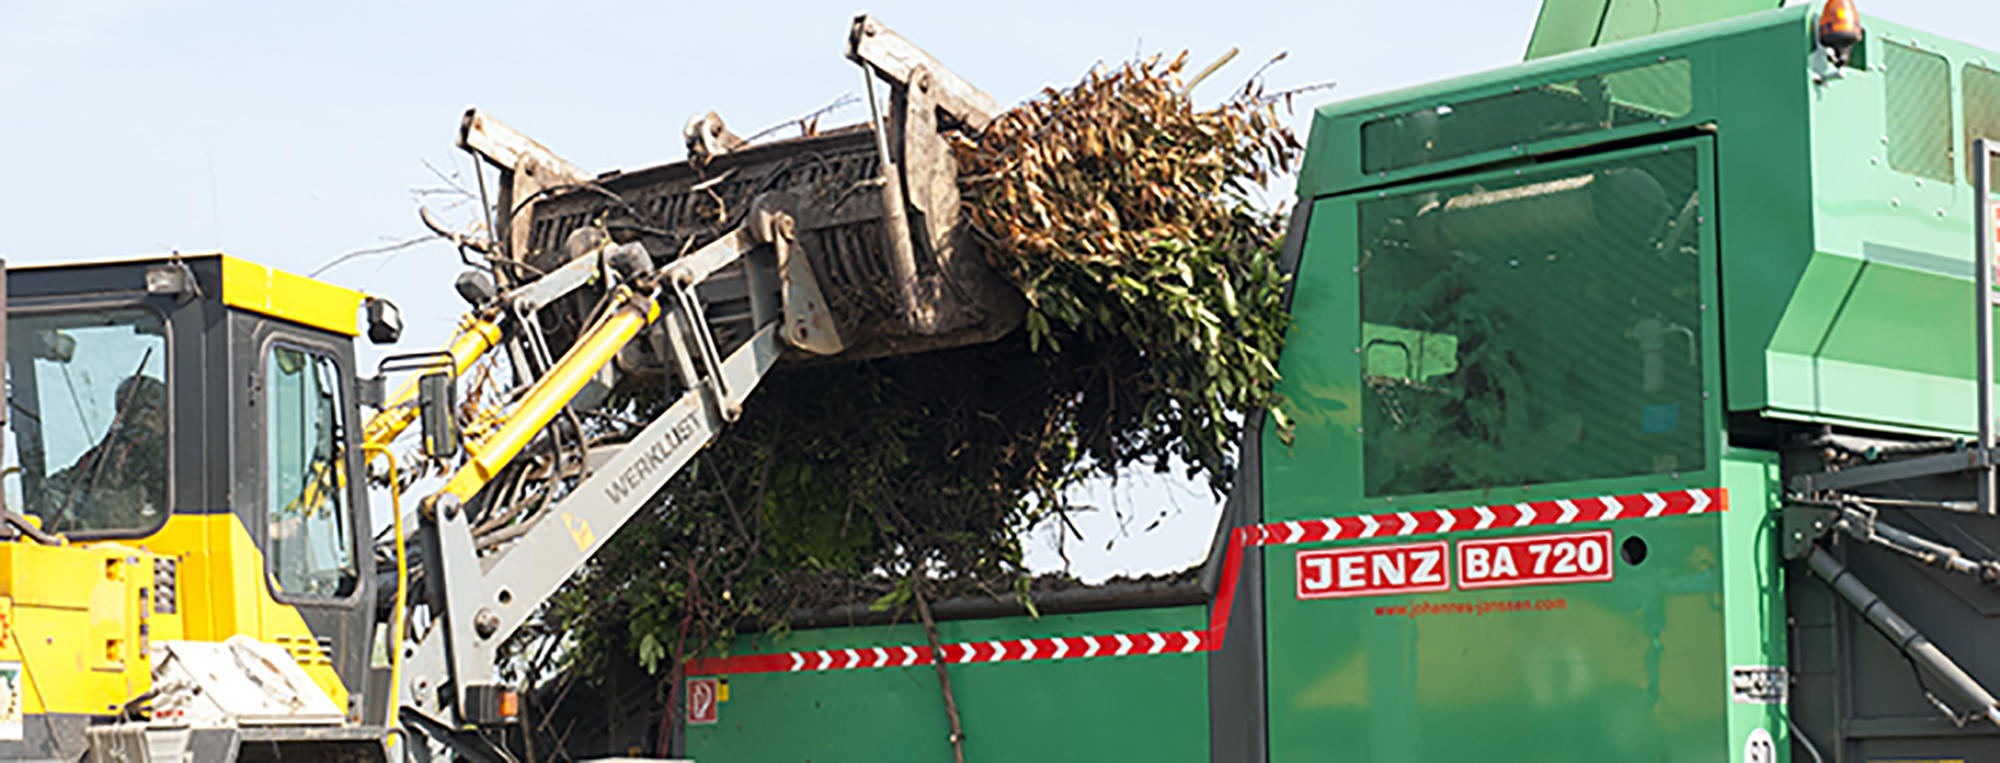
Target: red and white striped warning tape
(1014,650)
(1363,527)
(1475,518)
(1116,645)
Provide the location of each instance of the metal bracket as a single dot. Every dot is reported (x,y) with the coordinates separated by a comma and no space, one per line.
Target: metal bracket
(896,59)
(1803,526)
(1890,471)
(466,745)
(920,199)
(526,168)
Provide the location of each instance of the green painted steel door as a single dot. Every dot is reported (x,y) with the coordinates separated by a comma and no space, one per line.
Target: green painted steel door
(1523,342)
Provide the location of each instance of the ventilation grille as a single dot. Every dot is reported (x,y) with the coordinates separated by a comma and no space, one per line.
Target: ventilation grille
(1646,94)
(1919,112)
(1982,110)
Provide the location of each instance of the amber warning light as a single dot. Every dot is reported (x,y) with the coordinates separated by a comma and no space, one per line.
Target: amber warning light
(1839,29)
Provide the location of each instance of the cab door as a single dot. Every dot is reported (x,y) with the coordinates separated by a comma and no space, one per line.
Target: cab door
(300,486)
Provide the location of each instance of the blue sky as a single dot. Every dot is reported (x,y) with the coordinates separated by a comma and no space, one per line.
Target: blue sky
(291,133)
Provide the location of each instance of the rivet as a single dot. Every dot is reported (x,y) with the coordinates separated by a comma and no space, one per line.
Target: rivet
(1894,202)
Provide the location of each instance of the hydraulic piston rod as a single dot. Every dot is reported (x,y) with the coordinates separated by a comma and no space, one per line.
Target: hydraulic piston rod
(1899,632)
(541,403)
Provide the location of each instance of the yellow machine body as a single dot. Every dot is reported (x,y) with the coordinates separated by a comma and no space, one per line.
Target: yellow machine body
(79,616)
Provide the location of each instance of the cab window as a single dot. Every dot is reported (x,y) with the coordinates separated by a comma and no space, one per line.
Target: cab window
(87,429)
(1534,328)
(311,549)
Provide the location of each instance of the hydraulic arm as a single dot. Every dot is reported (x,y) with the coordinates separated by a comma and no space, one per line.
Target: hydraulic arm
(480,599)
(703,274)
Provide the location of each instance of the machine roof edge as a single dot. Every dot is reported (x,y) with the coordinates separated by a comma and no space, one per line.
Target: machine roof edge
(1584,59)
(1333,123)
(257,288)
(281,294)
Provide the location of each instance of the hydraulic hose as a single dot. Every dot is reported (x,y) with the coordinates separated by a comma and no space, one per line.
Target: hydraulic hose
(397,624)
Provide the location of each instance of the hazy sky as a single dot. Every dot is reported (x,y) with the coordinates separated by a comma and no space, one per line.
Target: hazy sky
(290,133)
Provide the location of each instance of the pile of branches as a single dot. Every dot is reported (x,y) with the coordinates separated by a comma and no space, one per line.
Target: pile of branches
(1125,214)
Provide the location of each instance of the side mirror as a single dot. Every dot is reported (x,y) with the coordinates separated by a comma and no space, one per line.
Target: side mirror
(436,407)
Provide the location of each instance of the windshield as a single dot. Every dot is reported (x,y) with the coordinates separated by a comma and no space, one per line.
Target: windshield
(87,444)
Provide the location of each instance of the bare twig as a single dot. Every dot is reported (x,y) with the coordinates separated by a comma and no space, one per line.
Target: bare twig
(937,661)
(809,121)
(1286,95)
(450,181)
(369,252)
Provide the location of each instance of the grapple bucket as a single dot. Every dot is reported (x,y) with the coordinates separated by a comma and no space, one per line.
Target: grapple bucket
(877,259)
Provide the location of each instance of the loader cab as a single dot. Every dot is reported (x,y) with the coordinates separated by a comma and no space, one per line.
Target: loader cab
(201,410)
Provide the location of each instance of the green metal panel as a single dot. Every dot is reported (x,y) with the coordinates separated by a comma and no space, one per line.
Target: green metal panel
(1630,670)
(1844,216)
(1638,669)
(1098,709)
(1889,203)
(1763,176)
(1753,592)
(1567,25)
